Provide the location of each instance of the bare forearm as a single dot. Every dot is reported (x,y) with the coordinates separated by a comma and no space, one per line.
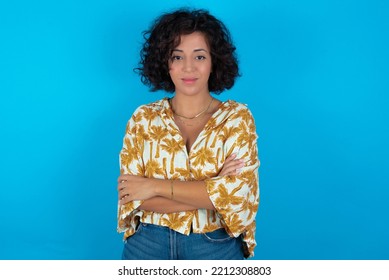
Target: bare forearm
(186,192)
(163,205)
(192,193)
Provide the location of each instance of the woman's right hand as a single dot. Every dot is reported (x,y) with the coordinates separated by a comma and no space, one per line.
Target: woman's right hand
(231,166)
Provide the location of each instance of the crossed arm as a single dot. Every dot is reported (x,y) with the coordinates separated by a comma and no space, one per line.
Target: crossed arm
(157,193)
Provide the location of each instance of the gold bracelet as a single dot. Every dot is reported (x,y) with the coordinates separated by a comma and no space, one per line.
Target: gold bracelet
(171,190)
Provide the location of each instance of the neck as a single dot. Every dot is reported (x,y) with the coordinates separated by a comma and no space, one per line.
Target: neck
(190,106)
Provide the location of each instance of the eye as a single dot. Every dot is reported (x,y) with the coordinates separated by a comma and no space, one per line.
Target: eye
(200,57)
(176,57)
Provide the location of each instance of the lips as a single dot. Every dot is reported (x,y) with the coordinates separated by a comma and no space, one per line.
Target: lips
(189,81)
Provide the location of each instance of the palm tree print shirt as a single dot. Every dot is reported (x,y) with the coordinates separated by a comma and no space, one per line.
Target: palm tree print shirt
(153,147)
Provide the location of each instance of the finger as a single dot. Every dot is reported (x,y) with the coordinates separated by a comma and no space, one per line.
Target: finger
(121,186)
(235,172)
(122,194)
(230,158)
(125,200)
(232,173)
(123,177)
(234,165)
(231,168)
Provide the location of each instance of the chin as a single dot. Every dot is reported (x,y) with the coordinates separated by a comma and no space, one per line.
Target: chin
(192,92)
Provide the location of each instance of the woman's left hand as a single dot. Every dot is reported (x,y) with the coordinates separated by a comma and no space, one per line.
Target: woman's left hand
(231,166)
(132,187)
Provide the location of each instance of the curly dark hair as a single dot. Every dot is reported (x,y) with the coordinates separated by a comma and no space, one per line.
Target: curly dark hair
(164,36)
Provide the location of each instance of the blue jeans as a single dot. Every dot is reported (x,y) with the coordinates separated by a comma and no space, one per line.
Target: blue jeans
(153,242)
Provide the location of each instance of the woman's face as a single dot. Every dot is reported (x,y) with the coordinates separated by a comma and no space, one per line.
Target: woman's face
(190,65)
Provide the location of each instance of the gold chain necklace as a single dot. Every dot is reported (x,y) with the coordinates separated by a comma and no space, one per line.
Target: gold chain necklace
(185,122)
(191,118)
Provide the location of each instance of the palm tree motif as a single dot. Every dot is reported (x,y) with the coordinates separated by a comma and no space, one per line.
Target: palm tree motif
(235,223)
(254,155)
(149,114)
(230,179)
(157,133)
(173,130)
(175,176)
(204,155)
(227,133)
(153,168)
(211,216)
(211,173)
(249,178)
(197,218)
(131,125)
(152,217)
(246,137)
(128,207)
(252,127)
(211,185)
(209,227)
(172,147)
(246,154)
(175,220)
(183,172)
(233,105)
(151,144)
(249,207)
(245,115)
(137,117)
(141,136)
(141,169)
(164,167)
(128,154)
(208,134)
(242,140)
(218,156)
(252,137)
(210,124)
(208,130)
(225,199)
(199,174)
(231,149)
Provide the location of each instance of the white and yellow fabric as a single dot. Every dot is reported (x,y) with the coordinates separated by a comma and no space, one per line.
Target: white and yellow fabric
(153,147)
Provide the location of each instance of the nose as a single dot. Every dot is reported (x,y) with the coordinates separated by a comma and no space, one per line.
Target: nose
(188,65)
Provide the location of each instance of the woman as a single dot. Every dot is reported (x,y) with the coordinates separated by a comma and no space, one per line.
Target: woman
(189,183)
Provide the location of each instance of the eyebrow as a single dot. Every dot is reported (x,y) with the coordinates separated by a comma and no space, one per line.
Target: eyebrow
(195,50)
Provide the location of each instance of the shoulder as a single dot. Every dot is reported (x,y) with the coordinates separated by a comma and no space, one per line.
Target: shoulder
(156,106)
(145,114)
(235,106)
(151,111)
(235,110)
(232,114)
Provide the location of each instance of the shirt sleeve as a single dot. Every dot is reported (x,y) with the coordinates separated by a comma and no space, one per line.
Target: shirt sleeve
(236,198)
(130,163)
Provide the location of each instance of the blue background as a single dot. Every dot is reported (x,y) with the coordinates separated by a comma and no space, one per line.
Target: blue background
(315,75)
